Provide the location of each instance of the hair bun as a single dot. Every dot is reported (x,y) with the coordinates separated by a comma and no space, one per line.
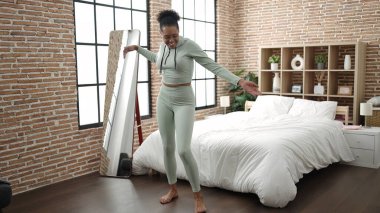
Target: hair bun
(168,13)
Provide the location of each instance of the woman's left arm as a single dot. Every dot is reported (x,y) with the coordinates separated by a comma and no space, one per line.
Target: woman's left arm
(202,58)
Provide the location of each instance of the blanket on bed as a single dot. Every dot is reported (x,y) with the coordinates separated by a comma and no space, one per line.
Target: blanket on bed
(254,155)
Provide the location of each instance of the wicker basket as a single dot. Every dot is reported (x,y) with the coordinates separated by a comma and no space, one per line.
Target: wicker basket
(374,120)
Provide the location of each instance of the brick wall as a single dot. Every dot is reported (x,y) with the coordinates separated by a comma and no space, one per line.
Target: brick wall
(40,143)
(296,22)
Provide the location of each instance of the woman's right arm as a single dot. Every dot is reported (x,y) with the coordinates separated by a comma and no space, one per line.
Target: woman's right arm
(151,56)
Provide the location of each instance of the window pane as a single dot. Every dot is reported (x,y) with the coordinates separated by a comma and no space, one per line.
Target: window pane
(143,92)
(200,12)
(210,13)
(210,90)
(102,63)
(189,11)
(88,0)
(84,23)
(102,94)
(88,105)
(211,54)
(189,29)
(104,23)
(210,39)
(143,69)
(200,35)
(123,3)
(180,25)
(109,2)
(86,64)
(140,23)
(177,5)
(200,93)
(139,4)
(123,19)
(199,71)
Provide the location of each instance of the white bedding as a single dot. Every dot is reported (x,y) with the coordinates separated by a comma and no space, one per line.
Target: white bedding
(263,156)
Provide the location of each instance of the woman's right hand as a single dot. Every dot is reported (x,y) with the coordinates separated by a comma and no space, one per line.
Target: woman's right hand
(129,49)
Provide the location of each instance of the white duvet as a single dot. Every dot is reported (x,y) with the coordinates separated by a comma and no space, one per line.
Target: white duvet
(262,156)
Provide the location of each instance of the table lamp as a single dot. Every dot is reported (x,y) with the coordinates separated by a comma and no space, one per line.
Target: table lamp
(365,110)
(224,102)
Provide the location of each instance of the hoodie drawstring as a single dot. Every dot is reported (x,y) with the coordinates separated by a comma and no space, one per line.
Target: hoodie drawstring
(162,58)
(167,56)
(175,58)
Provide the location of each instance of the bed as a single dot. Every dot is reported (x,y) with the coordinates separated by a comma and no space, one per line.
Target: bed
(265,151)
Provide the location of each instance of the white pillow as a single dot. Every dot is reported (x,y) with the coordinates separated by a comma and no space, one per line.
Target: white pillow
(309,108)
(271,105)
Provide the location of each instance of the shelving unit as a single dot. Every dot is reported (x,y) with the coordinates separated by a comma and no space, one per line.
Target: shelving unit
(335,74)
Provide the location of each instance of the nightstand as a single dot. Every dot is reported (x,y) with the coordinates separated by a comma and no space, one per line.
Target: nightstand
(365,145)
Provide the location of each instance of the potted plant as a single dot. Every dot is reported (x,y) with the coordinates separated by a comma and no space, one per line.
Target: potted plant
(274,60)
(239,95)
(320,60)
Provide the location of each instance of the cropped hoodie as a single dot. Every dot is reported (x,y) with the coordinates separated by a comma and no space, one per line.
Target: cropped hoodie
(176,65)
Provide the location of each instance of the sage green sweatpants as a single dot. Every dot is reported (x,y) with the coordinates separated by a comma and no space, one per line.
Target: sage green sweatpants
(175,116)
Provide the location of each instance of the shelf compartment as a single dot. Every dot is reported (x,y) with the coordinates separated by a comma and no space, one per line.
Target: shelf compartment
(266,81)
(345,101)
(289,79)
(340,78)
(336,56)
(265,54)
(288,53)
(311,52)
(310,81)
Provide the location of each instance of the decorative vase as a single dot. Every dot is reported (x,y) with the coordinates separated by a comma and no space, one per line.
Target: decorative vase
(299,65)
(276,83)
(320,66)
(274,66)
(347,62)
(319,89)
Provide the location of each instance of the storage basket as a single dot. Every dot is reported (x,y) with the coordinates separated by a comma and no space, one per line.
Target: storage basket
(374,120)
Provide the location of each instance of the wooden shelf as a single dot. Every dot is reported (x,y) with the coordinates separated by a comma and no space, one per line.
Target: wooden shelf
(334,73)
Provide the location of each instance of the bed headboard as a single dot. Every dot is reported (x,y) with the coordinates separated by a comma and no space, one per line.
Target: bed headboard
(341,111)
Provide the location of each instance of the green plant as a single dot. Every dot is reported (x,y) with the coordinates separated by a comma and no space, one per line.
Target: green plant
(240,96)
(320,58)
(274,59)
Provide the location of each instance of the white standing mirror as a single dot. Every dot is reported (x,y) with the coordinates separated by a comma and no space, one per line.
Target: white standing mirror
(119,107)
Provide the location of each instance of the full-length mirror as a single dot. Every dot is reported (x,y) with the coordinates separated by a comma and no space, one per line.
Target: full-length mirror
(119,107)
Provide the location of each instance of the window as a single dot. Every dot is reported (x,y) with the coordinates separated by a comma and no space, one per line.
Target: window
(195,24)
(94,19)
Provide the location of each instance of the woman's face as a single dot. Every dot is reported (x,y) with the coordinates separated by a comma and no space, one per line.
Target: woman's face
(170,35)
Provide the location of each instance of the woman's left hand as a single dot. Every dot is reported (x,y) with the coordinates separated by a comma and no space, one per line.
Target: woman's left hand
(250,87)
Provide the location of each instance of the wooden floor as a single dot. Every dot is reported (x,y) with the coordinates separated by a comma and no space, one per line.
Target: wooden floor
(338,188)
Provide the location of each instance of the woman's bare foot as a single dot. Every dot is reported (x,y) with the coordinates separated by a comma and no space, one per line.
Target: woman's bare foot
(170,196)
(199,204)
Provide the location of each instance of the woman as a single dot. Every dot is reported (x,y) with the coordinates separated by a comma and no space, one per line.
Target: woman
(175,102)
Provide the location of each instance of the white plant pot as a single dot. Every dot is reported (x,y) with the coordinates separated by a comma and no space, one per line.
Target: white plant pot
(276,83)
(274,66)
(319,89)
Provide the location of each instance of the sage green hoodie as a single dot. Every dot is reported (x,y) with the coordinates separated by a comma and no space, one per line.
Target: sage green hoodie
(176,65)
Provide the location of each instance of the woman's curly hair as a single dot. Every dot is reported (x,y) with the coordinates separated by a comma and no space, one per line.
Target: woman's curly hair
(168,18)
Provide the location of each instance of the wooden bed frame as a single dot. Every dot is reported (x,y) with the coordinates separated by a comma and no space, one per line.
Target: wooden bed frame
(341,111)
